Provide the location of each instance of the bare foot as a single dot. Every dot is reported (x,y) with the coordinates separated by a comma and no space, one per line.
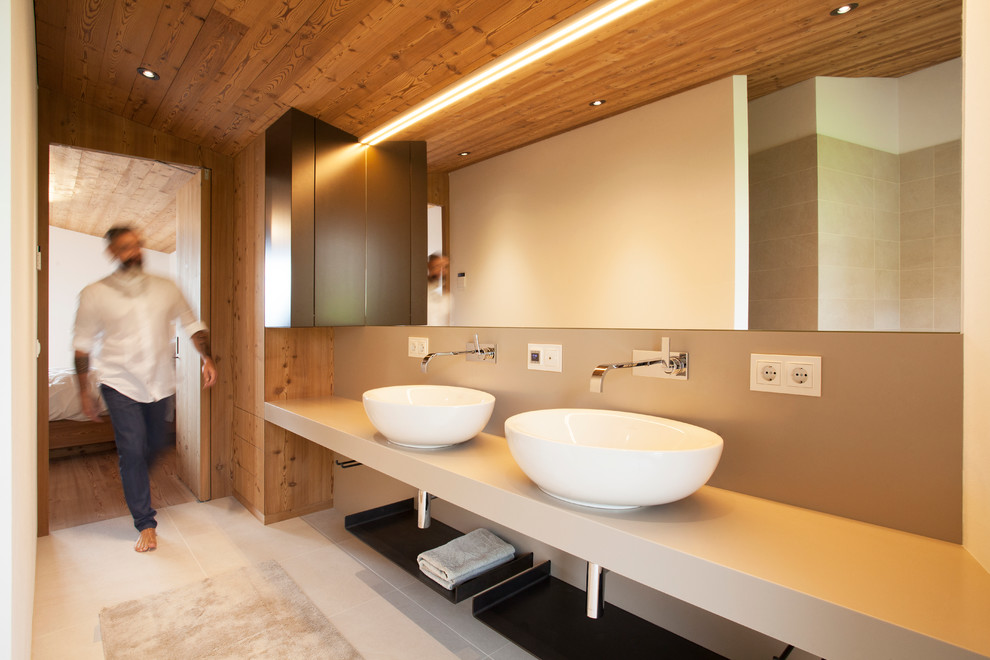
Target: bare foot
(147,541)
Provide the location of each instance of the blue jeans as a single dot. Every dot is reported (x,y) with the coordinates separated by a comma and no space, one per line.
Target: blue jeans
(140,433)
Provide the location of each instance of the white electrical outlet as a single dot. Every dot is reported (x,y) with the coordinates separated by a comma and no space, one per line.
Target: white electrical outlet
(799,375)
(545,357)
(419,346)
(768,372)
(786,374)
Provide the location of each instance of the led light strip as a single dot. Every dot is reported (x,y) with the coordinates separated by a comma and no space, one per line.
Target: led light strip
(566,33)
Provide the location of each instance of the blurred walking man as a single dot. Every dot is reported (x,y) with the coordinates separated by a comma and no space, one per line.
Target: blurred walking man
(126,320)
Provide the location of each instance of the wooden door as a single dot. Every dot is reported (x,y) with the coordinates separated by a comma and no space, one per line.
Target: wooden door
(192,402)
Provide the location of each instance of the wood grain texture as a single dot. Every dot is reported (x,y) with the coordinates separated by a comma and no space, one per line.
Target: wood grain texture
(298,363)
(87,488)
(65,433)
(229,69)
(247,362)
(192,402)
(92,191)
(298,475)
(248,460)
(294,475)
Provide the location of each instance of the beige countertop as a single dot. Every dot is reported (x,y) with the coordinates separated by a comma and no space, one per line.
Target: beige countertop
(834,587)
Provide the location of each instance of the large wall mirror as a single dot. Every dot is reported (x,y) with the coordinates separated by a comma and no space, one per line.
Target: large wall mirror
(830,205)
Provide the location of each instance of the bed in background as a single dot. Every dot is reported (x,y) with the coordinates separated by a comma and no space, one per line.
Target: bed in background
(68,428)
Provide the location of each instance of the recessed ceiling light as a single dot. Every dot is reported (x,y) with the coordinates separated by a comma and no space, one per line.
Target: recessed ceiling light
(464,153)
(148,73)
(598,102)
(844,9)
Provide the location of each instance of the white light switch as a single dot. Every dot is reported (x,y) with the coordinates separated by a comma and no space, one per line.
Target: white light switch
(545,357)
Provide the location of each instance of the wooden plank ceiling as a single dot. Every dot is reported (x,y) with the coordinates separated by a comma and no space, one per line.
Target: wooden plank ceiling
(230,67)
(90,191)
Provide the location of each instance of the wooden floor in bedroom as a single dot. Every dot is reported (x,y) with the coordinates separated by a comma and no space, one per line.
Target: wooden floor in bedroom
(86,488)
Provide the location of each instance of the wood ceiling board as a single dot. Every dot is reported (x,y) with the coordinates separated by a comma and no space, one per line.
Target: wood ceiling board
(494,123)
(219,35)
(231,67)
(130,29)
(91,191)
(270,27)
(459,43)
(175,32)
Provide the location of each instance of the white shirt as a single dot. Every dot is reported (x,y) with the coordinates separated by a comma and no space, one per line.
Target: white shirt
(437,306)
(128,316)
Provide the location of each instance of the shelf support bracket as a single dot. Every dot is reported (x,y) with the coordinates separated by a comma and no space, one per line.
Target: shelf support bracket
(595,590)
(423,509)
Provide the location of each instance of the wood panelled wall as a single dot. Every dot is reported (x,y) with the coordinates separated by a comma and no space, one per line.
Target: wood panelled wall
(62,120)
(276,474)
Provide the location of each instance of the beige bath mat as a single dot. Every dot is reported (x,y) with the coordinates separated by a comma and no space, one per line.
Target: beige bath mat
(251,612)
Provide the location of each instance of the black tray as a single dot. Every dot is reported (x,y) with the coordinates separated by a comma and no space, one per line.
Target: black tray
(546,616)
(392,531)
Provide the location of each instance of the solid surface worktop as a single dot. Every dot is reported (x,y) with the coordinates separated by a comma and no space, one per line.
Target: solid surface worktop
(831,586)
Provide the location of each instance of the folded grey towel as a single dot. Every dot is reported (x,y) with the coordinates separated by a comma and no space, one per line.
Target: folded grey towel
(465,557)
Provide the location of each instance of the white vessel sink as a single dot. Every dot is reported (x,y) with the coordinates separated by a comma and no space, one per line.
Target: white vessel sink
(428,416)
(611,459)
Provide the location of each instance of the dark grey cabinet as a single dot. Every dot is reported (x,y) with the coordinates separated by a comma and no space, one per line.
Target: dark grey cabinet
(396,289)
(345,240)
(340,228)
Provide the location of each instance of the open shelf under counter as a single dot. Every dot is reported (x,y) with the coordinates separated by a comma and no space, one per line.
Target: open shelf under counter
(835,587)
(392,531)
(546,616)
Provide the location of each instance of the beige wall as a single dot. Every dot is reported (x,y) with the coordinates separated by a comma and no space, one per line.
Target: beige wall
(18,328)
(848,237)
(976,280)
(783,234)
(883,444)
(628,222)
(931,249)
(858,226)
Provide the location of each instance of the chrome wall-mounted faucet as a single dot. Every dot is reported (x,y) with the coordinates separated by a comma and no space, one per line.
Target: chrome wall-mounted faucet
(675,365)
(475,352)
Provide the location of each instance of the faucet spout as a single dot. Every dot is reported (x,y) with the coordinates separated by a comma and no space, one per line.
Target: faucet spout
(475,352)
(424,365)
(598,375)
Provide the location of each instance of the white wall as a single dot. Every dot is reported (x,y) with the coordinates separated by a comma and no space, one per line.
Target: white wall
(976,280)
(628,222)
(75,260)
(18,327)
(859,110)
(434,230)
(782,117)
(896,115)
(931,106)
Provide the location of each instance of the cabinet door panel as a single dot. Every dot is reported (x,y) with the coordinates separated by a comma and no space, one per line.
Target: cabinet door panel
(389,235)
(289,182)
(340,243)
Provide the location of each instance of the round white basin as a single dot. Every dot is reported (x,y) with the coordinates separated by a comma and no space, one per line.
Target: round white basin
(428,416)
(611,459)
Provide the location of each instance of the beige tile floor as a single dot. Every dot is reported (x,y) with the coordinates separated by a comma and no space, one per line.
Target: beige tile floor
(380,609)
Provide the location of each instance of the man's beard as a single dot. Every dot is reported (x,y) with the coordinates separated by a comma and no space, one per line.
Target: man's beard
(132,264)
